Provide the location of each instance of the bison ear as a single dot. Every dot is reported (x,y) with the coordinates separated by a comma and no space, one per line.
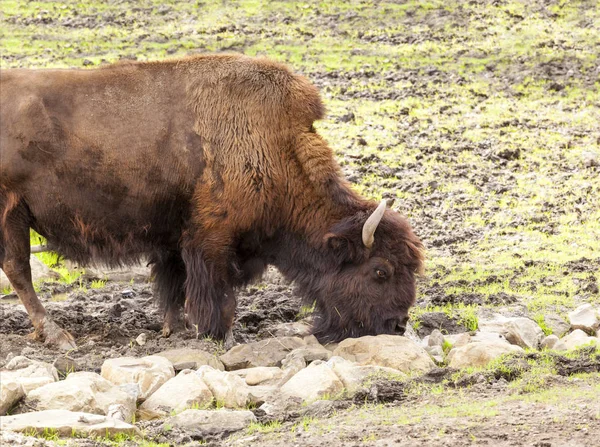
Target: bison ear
(342,247)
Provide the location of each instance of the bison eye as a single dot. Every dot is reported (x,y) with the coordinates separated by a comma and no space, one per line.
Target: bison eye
(382,274)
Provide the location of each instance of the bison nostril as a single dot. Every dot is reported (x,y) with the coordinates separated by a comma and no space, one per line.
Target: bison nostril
(399,329)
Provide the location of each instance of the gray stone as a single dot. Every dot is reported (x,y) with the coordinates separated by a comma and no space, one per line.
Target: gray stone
(519,331)
(261,375)
(576,339)
(150,373)
(488,337)
(65,365)
(458,340)
(269,352)
(81,391)
(228,389)
(30,374)
(316,381)
(188,355)
(479,353)
(435,338)
(182,392)
(293,329)
(585,318)
(211,422)
(353,376)
(65,423)
(436,353)
(557,325)
(549,342)
(11,392)
(392,351)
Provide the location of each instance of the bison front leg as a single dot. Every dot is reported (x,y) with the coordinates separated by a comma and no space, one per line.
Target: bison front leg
(168,272)
(210,302)
(15,263)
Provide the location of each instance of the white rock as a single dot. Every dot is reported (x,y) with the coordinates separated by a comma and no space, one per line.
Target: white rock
(549,342)
(314,382)
(294,329)
(577,338)
(519,331)
(189,355)
(493,337)
(479,353)
(269,352)
(141,339)
(260,394)
(458,340)
(11,392)
(30,374)
(65,423)
(353,376)
(585,318)
(150,373)
(184,391)
(392,351)
(212,422)
(227,388)
(81,391)
(261,375)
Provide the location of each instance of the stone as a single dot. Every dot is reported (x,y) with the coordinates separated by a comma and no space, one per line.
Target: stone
(40,272)
(85,392)
(435,338)
(577,338)
(436,353)
(479,353)
(488,337)
(309,354)
(316,381)
(187,355)
(65,423)
(261,375)
(520,331)
(150,372)
(353,376)
(184,391)
(30,374)
(392,351)
(584,318)
(269,352)
(549,342)
(259,394)
(228,389)
(557,325)
(141,339)
(293,329)
(211,422)
(65,365)
(11,391)
(458,340)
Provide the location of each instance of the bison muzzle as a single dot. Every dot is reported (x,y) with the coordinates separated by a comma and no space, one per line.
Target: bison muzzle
(210,167)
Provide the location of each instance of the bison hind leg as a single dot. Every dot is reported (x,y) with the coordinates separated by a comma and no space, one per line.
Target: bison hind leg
(168,271)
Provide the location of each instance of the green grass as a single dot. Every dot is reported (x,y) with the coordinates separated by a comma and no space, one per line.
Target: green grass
(268,427)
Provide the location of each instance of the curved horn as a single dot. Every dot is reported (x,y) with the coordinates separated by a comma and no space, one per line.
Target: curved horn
(368,232)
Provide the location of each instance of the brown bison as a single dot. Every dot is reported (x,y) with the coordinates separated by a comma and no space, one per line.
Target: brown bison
(210,167)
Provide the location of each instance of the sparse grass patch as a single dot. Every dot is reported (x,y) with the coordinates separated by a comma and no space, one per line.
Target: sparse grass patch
(268,427)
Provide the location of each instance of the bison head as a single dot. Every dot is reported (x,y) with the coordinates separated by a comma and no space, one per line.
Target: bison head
(368,283)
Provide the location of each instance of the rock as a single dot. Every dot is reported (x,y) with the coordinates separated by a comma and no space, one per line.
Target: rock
(519,331)
(458,340)
(39,273)
(316,381)
(435,338)
(353,376)
(65,423)
(489,337)
(260,394)
(65,365)
(30,374)
(261,375)
(141,339)
(150,373)
(309,354)
(549,342)
(81,391)
(293,329)
(393,351)
(577,338)
(585,318)
(187,355)
(557,325)
(211,422)
(269,352)
(11,392)
(118,411)
(479,353)
(228,389)
(184,391)
(279,407)
(436,353)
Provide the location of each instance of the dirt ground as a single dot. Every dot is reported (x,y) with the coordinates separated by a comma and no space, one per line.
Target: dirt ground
(480,118)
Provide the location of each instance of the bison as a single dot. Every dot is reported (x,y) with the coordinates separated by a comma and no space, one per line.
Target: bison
(210,167)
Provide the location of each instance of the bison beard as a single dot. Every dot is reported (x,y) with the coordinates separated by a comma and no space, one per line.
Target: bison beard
(208,165)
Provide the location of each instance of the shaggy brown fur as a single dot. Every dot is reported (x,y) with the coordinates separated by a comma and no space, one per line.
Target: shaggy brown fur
(210,165)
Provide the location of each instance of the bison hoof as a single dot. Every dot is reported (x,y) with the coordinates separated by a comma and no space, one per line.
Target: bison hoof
(56,336)
(229,341)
